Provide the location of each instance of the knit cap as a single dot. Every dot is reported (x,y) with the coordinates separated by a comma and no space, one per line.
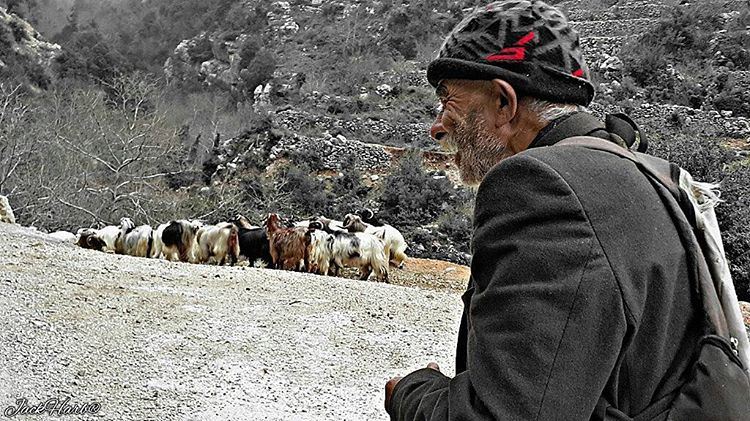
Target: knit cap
(529,44)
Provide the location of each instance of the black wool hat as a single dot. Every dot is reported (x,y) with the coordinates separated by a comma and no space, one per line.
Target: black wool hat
(529,44)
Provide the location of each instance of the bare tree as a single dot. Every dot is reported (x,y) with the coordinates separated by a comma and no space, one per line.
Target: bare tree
(13,119)
(84,156)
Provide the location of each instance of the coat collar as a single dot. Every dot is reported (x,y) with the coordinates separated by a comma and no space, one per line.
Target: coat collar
(569,125)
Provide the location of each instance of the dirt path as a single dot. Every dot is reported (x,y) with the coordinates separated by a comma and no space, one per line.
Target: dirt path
(168,341)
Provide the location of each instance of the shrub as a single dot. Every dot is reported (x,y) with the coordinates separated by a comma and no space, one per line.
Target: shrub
(705,159)
(708,161)
(412,197)
(735,46)
(675,60)
(305,158)
(91,163)
(201,51)
(259,70)
(306,195)
(248,50)
(350,194)
(457,225)
(6,41)
(735,99)
(734,221)
(88,56)
(19,33)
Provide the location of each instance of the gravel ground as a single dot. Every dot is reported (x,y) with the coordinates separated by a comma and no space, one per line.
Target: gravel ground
(154,340)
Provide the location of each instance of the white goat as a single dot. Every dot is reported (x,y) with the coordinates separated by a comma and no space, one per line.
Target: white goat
(138,241)
(395,244)
(321,251)
(109,235)
(328,225)
(65,236)
(177,239)
(361,250)
(218,242)
(156,249)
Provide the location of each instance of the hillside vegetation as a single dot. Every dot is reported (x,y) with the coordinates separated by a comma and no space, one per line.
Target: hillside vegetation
(190,108)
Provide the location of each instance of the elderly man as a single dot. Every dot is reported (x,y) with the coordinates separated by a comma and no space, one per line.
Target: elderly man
(578,306)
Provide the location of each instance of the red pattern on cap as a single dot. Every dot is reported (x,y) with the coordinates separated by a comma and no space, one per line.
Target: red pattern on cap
(515,53)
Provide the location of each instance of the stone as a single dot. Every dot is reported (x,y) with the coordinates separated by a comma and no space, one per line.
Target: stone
(611,64)
(384,89)
(27,45)
(6,212)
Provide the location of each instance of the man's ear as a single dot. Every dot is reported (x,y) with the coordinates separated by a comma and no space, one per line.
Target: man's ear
(505,100)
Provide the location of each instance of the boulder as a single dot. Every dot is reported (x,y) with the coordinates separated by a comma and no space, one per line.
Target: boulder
(6,212)
(612,64)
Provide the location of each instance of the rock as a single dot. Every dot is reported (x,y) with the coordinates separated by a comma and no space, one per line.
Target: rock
(28,46)
(64,236)
(384,89)
(726,113)
(611,64)
(6,212)
(262,97)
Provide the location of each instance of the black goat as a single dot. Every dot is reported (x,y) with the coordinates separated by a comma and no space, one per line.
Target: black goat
(254,245)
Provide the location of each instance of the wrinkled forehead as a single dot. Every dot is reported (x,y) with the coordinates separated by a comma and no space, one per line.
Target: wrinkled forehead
(447,87)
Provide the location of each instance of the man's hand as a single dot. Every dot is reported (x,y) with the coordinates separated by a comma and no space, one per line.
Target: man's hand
(391,384)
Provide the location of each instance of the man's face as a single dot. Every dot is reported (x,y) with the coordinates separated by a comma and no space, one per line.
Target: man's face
(465,125)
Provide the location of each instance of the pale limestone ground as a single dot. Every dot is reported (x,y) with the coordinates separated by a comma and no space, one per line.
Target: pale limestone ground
(170,341)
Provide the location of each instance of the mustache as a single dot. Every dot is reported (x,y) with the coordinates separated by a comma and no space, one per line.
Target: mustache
(448,144)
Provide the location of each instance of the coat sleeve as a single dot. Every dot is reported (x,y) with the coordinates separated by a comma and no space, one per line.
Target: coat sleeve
(546,320)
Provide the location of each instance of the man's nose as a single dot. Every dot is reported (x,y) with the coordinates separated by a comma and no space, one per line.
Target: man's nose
(437,131)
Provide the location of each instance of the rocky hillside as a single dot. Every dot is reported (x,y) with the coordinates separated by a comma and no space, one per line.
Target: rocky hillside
(217,58)
(24,54)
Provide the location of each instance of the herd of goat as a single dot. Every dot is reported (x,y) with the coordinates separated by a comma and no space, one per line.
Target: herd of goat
(318,245)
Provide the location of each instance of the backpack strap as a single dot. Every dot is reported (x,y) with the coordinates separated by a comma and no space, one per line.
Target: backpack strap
(665,179)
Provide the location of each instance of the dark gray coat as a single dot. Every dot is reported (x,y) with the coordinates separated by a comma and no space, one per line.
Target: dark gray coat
(579,297)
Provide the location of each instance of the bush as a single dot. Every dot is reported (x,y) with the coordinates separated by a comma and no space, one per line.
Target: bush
(735,99)
(734,221)
(676,60)
(708,161)
(735,46)
(88,56)
(705,159)
(259,70)
(457,225)
(305,158)
(412,197)
(306,195)
(350,194)
(81,161)
(201,51)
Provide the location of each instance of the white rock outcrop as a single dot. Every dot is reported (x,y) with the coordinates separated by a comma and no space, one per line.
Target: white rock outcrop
(6,212)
